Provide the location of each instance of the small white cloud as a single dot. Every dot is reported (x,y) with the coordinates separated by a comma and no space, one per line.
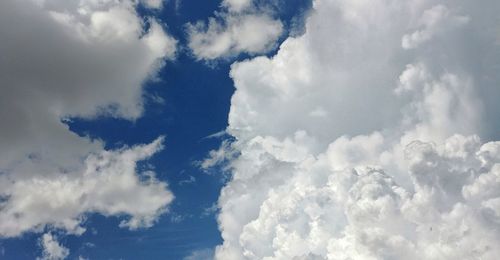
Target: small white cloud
(177,218)
(202,254)
(210,210)
(216,135)
(52,250)
(189,180)
(217,157)
(242,28)
(155,4)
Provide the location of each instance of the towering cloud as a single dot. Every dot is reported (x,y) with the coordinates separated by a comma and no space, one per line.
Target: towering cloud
(64,59)
(360,139)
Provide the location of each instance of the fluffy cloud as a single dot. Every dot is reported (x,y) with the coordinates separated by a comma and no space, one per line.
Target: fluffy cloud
(78,58)
(310,208)
(108,184)
(361,138)
(155,4)
(52,250)
(242,27)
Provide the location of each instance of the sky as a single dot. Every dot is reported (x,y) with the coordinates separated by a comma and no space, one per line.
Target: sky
(249,129)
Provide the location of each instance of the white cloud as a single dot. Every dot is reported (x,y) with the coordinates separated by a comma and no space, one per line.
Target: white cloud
(109,184)
(189,180)
(219,156)
(202,254)
(237,5)
(52,250)
(241,27)
(155,4)
(394,167)
(77,58)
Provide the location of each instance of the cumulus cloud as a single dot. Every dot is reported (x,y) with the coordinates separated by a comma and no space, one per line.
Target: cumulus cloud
(108,184)
(241,27)
(64,59)
(373,149)
(52,250)
(312,209)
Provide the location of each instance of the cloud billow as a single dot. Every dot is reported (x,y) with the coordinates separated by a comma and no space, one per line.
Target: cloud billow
(361,138)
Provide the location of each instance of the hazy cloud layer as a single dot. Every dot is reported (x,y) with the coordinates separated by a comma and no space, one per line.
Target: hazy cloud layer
(77,58)
(361,138)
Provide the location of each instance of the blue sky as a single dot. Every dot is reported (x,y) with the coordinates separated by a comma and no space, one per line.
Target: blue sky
(188,102)
(292,129)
